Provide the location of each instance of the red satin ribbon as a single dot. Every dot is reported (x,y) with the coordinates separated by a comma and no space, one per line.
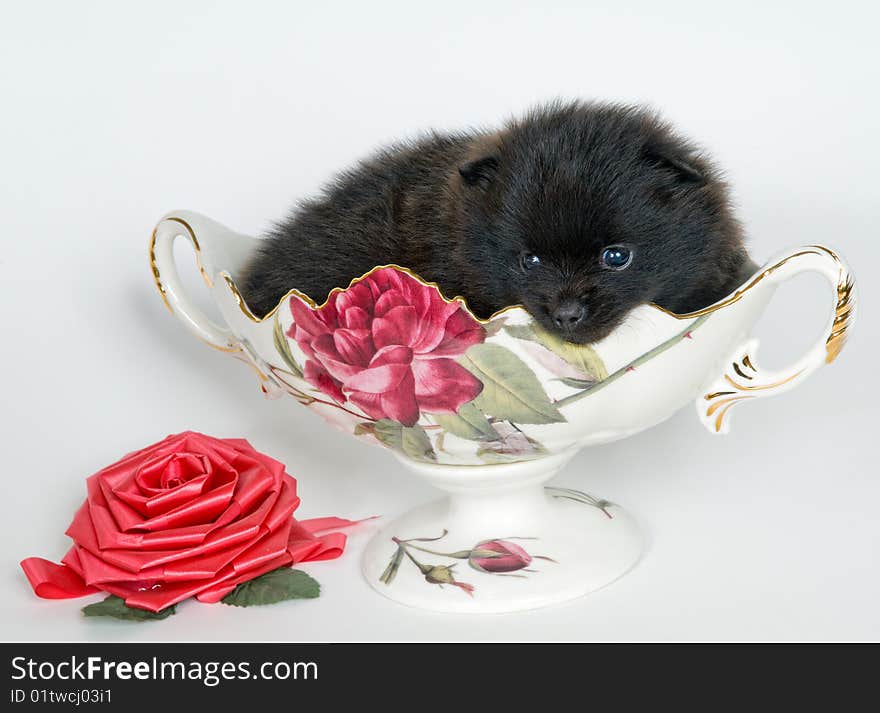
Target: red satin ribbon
(54,581)
(308,540)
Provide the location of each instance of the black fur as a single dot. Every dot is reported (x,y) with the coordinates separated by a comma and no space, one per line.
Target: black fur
(562,183)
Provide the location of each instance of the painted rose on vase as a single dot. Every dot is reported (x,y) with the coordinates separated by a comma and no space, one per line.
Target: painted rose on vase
(389,357)
(388,345)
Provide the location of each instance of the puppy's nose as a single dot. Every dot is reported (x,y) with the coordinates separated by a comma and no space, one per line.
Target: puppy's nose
(569,314)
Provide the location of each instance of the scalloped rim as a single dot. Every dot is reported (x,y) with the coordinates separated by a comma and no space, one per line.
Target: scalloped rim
(733,297)
(242,303)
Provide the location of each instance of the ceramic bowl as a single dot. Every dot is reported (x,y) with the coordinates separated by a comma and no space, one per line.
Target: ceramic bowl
(489,410)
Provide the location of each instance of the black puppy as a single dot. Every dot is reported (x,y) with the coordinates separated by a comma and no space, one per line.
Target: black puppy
(579,212)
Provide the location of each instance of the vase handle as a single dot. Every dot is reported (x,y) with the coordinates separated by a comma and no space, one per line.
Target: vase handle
(743,379)
(171,289)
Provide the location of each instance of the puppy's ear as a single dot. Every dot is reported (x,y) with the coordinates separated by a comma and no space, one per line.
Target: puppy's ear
(675,158)
(479,172)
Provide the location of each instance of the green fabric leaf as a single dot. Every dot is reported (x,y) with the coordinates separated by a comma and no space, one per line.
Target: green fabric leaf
(275,586)
(511,391)
(116,608)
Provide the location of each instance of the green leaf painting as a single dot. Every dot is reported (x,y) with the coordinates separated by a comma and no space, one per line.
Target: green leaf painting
(412,440)
(469,423)
(391,570)
(283,348)
(581,356)
(511,391)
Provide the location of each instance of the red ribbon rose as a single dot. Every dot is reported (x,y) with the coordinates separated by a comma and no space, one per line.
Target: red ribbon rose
(387,344)
(188,516)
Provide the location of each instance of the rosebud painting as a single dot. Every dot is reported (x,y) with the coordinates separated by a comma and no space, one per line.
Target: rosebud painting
(496,556)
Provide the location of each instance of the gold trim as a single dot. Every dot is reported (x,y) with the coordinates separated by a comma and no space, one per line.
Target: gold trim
(715,406)
(735,297)
(157,277)
(739,371)
(315,306)
(762,387)
(195,243)
(843,311)
(461,300)
(154,264)
(843,315)
(716,394)
(719,421)
(160,286)
(738,295)
(742,393)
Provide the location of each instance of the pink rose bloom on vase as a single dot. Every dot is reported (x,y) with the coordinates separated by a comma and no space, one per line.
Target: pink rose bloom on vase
(388,345)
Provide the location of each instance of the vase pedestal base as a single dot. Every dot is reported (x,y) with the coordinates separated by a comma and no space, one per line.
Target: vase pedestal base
(530,548)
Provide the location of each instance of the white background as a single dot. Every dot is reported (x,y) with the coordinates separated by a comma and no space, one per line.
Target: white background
(114,114)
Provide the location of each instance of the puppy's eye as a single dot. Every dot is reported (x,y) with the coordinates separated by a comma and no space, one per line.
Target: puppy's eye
(529,261)
(616,257)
